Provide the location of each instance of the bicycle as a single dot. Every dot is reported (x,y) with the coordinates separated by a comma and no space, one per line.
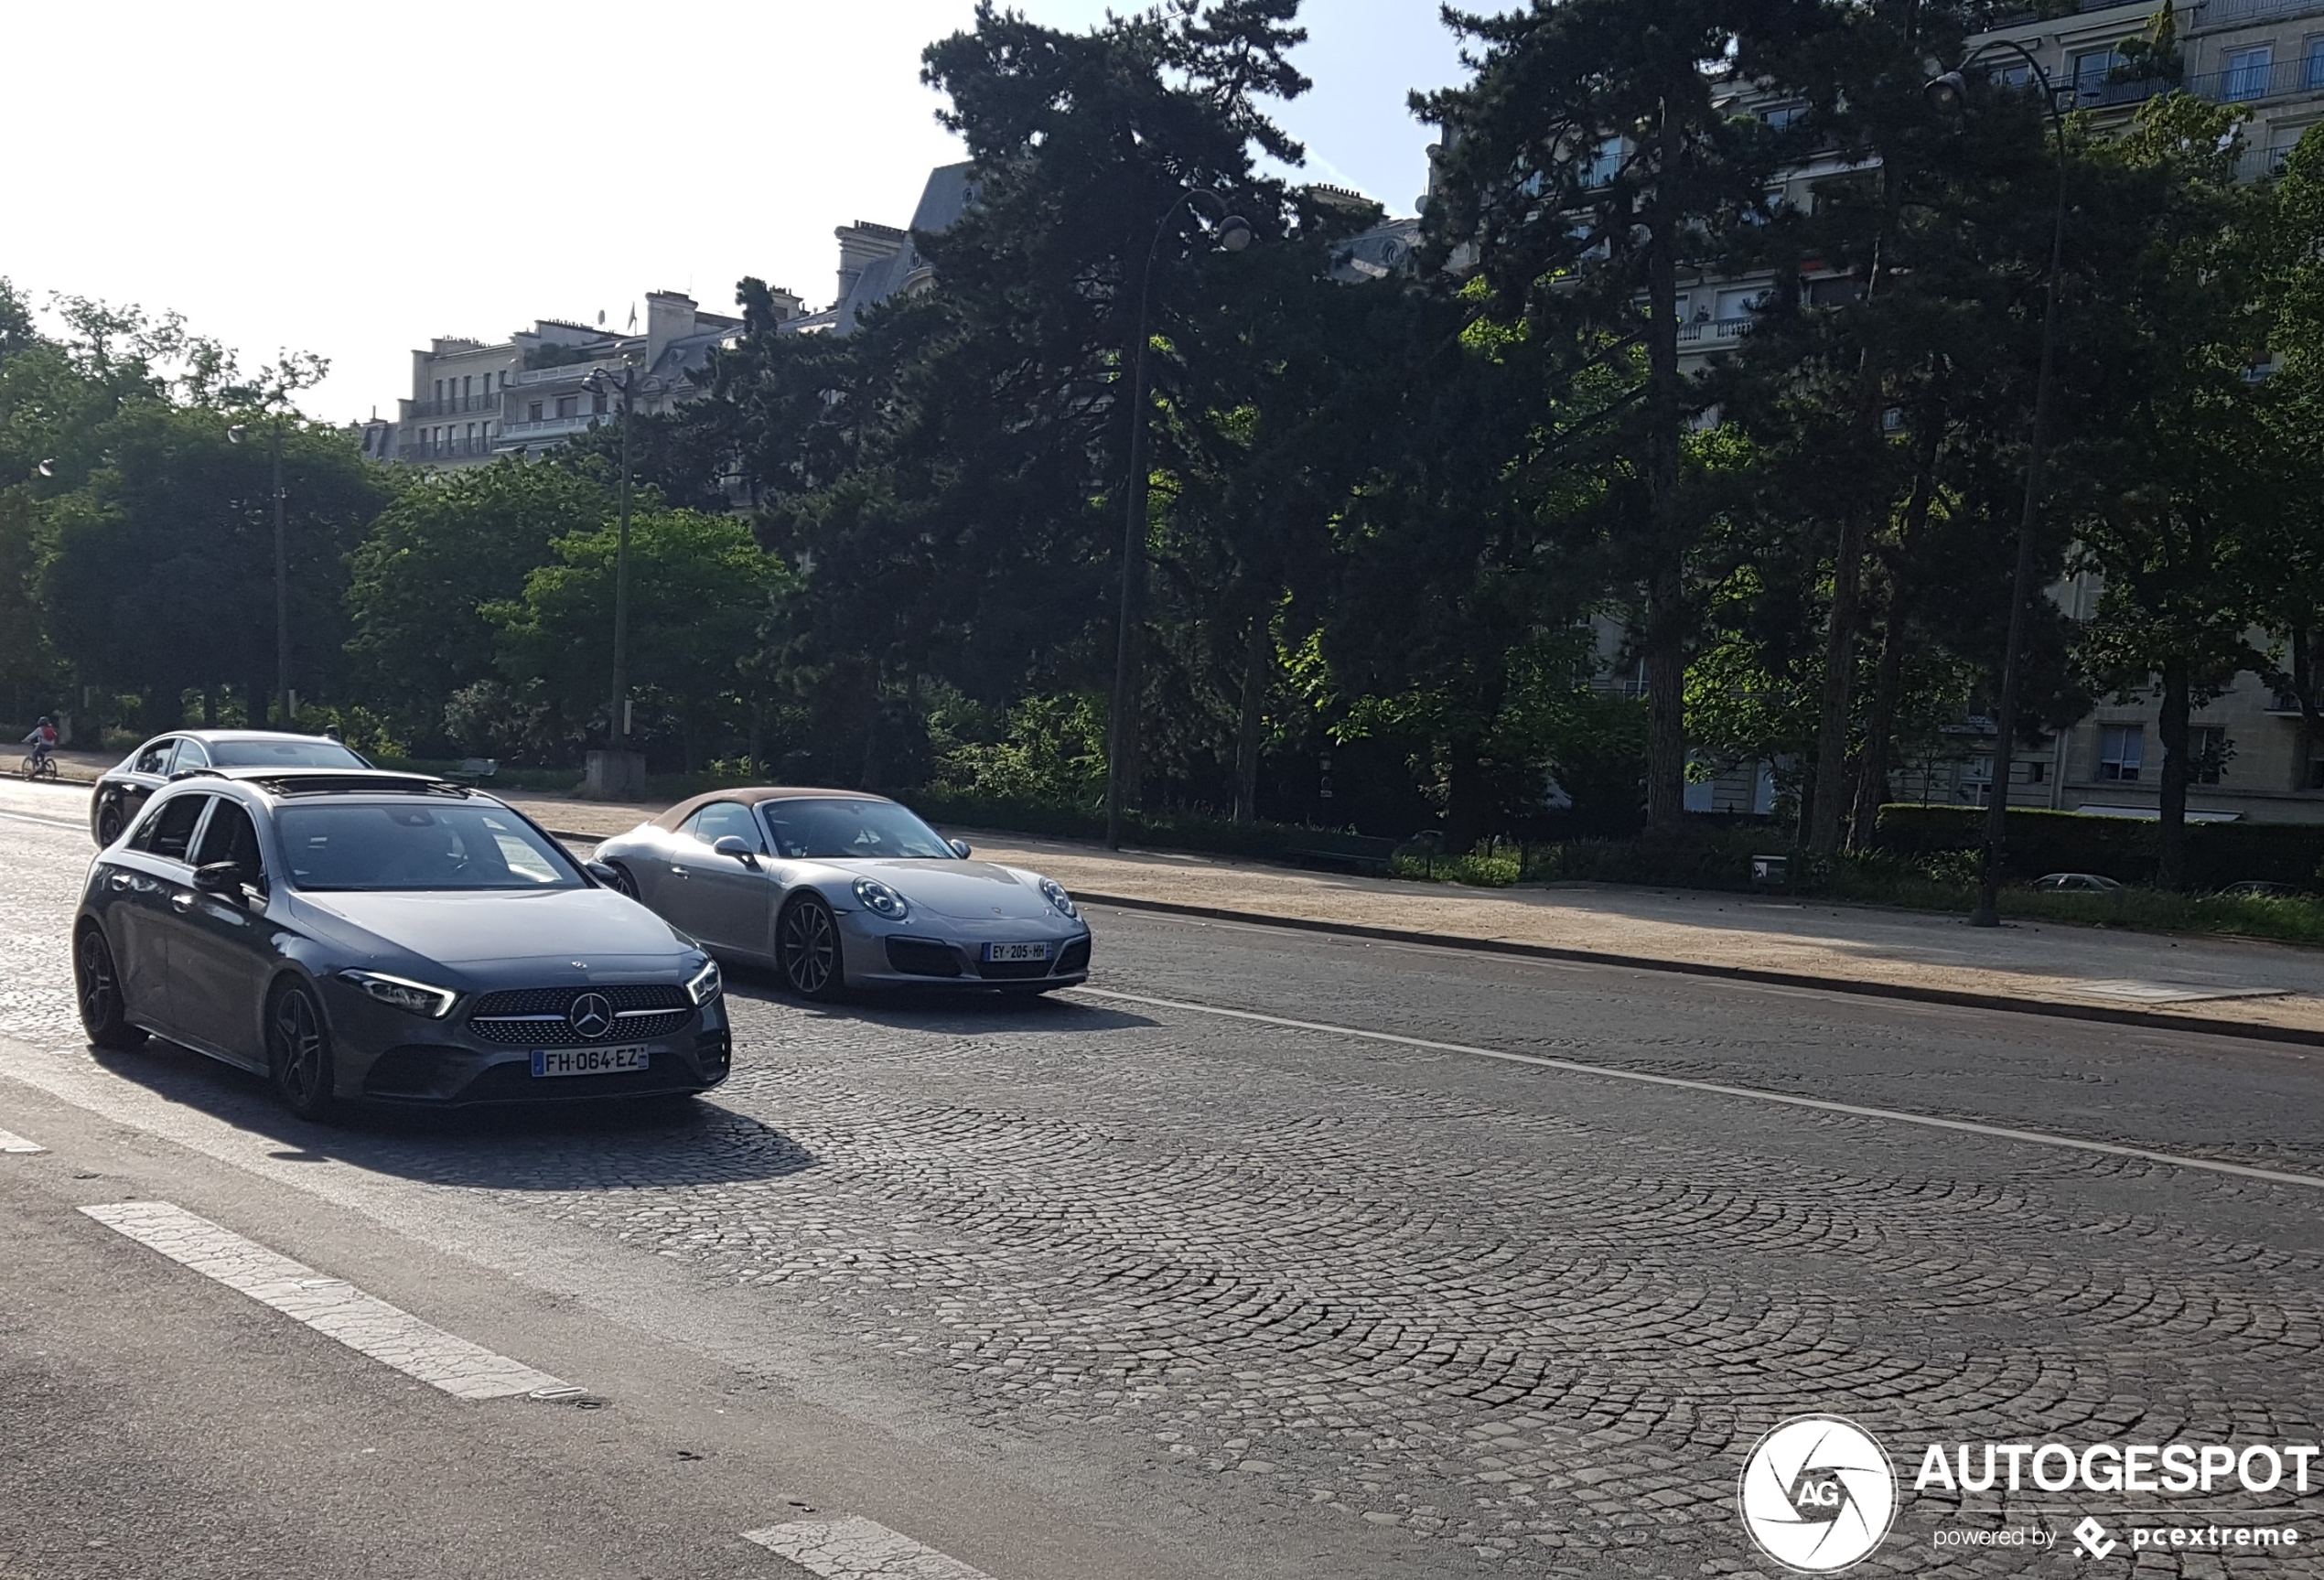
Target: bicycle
(38,768)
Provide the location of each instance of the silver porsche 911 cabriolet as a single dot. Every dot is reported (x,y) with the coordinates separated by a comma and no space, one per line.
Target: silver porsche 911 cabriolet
(838,889)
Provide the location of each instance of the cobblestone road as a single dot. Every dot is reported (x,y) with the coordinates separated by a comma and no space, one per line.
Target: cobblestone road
(1322,1287)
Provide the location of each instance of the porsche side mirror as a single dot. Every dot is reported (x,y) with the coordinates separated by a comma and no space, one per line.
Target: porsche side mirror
(603,874)
(220,878)
(960,848)
(735,845)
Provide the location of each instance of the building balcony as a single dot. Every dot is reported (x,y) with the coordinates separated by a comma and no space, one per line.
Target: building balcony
(2215,14)
(419,411)
(461,449)
(2253,85)
(550,427)
(569,373)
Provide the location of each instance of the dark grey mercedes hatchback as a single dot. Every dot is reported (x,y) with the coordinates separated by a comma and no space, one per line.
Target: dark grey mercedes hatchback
(390,938)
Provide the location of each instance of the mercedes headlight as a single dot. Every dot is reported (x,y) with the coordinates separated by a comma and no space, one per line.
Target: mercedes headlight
(1054,892)
(881,900)
(401,993)
(706,984)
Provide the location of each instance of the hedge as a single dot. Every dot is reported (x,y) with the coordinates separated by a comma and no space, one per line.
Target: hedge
(2218,854)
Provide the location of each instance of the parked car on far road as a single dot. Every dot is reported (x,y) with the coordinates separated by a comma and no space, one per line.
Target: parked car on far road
(2075,883)
(122,790)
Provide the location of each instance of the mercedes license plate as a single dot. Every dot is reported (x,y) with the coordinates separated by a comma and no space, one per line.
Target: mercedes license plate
(999,953)
(589,1060)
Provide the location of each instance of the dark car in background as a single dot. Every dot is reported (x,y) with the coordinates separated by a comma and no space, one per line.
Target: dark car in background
(365,936)
(121,793)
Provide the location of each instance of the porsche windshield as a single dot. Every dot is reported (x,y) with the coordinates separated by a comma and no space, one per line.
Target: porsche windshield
(832,829)
(407,846)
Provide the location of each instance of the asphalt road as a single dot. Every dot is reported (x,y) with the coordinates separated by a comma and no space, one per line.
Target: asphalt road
(1254,1261)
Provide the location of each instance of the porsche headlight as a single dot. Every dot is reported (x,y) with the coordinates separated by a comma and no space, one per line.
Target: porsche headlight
(881,900)
(706,984)
(1054,892)
(401,993)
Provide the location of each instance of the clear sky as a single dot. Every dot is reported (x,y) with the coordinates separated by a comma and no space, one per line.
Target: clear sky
(354,179)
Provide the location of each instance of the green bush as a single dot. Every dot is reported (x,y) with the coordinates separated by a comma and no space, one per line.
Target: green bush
(2218,854)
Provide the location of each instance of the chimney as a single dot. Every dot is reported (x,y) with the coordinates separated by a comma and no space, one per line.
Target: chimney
(669,315)
(861,245)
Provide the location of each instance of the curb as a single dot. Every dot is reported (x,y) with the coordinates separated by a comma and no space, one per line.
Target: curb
(1954,998)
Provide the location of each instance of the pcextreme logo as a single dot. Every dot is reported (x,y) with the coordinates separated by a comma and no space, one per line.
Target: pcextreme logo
(1818,1493)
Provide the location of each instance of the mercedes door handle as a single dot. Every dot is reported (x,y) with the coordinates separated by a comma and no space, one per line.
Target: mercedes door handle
(183,901)
(679,871)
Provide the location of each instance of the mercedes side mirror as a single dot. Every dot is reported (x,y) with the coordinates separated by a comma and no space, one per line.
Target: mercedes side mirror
(735,845)
(220,878)
(960,848)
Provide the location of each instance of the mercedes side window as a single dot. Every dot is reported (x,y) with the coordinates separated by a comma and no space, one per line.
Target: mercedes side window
(232,836)
(721,818)
(169,831)
(154,758)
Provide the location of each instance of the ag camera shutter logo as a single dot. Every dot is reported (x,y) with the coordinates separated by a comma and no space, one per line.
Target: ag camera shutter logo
(1817,1494)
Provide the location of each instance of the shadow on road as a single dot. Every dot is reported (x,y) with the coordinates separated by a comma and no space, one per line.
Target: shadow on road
(572,1146)
(967,1012)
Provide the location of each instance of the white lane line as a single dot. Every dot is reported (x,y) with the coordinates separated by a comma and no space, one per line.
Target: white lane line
(332,1306)
(1582,1067)
(51,822)
(855,1548)
(11,1142)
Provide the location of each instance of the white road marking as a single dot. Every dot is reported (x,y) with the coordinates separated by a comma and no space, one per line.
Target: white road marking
(11,1142)
(1858,1111)
(855,1548)
(331,1307)
(51,822)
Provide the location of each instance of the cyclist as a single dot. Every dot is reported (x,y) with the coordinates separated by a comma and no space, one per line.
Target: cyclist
(43,741)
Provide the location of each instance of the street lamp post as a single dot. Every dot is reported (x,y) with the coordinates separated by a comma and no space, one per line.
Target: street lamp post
(1947,94)
(282,564)
(1234,234)
(624,388)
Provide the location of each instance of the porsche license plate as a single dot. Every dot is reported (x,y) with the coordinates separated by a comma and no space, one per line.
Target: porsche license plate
(999,953)
(589,1060)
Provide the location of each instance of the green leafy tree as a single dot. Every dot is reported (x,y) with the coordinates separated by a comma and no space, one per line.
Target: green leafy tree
(159,573)
(702,596)
(1591,163)
(2175,472)
(445,547)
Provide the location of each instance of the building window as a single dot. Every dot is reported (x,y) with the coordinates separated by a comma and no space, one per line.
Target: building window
(568,405)
(439,390)
(2121,750)
(471,436)
(532,411)
(1605,163)
(1737,307)
(2208,749)
(2092,67)
(2037,772)
(2246,73)
(2312,63)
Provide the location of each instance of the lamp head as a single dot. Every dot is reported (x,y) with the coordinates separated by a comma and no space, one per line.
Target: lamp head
(1234,233)
(235,434)
(1946,92)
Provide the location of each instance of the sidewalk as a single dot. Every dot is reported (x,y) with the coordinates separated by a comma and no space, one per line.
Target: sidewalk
(2221,984)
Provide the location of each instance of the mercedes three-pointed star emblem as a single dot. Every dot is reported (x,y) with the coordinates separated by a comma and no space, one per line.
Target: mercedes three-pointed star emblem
(591,1017)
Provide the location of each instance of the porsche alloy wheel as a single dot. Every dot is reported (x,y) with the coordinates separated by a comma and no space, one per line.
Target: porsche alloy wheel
(809,947)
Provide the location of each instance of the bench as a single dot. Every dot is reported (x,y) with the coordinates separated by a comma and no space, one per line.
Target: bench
(1355,852)
(474,770)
